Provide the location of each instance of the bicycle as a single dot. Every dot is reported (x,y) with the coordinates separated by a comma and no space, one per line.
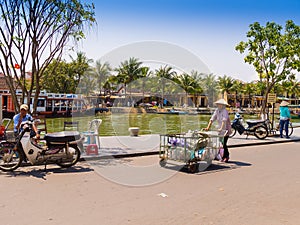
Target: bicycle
(276,128)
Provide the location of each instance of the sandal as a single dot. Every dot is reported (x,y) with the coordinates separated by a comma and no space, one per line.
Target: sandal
(225,160)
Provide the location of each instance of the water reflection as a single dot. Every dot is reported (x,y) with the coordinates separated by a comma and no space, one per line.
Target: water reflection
(118,123)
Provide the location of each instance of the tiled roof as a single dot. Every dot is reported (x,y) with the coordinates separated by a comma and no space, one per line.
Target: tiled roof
(3,84)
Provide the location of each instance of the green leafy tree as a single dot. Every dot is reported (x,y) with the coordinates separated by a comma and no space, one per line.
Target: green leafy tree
(273,52)
(59,78)
(260,88)
(32,34)
(63,77)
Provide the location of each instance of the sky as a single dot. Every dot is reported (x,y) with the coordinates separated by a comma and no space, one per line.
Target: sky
(209,29)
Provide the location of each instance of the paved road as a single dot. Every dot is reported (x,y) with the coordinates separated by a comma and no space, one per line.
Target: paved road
(261,186)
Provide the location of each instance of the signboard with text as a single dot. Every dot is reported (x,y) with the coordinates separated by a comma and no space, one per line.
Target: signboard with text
(271,98)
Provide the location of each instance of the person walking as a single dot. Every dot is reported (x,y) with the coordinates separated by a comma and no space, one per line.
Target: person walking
(224,125)
(285,117)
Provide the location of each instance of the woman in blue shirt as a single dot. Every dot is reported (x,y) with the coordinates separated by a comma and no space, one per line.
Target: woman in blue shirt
(285,117)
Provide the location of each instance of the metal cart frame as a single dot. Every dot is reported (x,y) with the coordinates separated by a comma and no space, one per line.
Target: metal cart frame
(191,149)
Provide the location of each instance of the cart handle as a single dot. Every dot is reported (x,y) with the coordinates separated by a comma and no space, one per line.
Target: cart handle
(203,130)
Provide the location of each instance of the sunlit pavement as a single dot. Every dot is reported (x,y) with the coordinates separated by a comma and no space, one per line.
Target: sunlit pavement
(125,146)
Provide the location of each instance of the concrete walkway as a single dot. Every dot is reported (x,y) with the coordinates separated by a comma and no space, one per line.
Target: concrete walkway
(127,146)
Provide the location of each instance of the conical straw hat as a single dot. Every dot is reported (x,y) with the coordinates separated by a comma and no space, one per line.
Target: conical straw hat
(221,102)
(284,103)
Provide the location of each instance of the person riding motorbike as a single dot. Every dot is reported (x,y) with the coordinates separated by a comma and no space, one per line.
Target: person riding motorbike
(22,117)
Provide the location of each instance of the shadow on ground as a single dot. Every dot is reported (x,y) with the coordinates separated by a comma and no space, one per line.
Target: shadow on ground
(41,172)
(213,168)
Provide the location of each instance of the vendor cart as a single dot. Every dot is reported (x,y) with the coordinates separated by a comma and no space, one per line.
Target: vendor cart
(195,150)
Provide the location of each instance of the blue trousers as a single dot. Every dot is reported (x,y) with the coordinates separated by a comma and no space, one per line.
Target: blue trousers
(284,124)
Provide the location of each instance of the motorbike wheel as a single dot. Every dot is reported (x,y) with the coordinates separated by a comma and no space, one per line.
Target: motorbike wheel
(73,157)
(233,132)
(10,159)
(261,132)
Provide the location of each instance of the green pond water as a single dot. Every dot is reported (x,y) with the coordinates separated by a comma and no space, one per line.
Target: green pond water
(118,123)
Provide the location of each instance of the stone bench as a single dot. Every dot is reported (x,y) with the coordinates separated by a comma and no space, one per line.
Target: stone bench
(134,131)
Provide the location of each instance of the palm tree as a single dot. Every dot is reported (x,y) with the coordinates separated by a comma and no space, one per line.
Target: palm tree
(145,72)
(249,89)
(198,88)
(225,85)
(209,82)
(101,73)
(187,83)
(80,65)
(111,83)
(295,88)
(87,84)
(278,88)
(164,73)
(290,88)
(129,71)
(237,87)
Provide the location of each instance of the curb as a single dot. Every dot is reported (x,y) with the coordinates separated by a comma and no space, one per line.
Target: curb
(88,158)
(138,154)
(263,143)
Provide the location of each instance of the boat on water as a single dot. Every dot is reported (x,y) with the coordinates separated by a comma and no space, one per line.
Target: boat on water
(295,116)
(49,104)
(173,112)
(94,111)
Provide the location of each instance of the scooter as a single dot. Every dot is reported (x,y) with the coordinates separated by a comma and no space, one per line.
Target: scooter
(258,128)
(61,148)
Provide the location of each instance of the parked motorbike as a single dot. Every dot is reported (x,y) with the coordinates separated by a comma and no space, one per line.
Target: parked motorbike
(258,128)
(61,148)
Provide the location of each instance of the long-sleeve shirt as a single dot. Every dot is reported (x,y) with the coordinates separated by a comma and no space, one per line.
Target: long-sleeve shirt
(284,113)
(222,116)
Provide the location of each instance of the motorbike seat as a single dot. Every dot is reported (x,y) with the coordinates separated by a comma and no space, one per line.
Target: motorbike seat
(63,136)
(254,122)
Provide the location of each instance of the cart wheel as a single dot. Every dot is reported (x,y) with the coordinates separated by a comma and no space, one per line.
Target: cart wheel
(163,162)
(193,167)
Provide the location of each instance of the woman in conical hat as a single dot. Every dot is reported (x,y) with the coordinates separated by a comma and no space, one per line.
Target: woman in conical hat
(224,125)
(221,102)
(284,103)
(285,117)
